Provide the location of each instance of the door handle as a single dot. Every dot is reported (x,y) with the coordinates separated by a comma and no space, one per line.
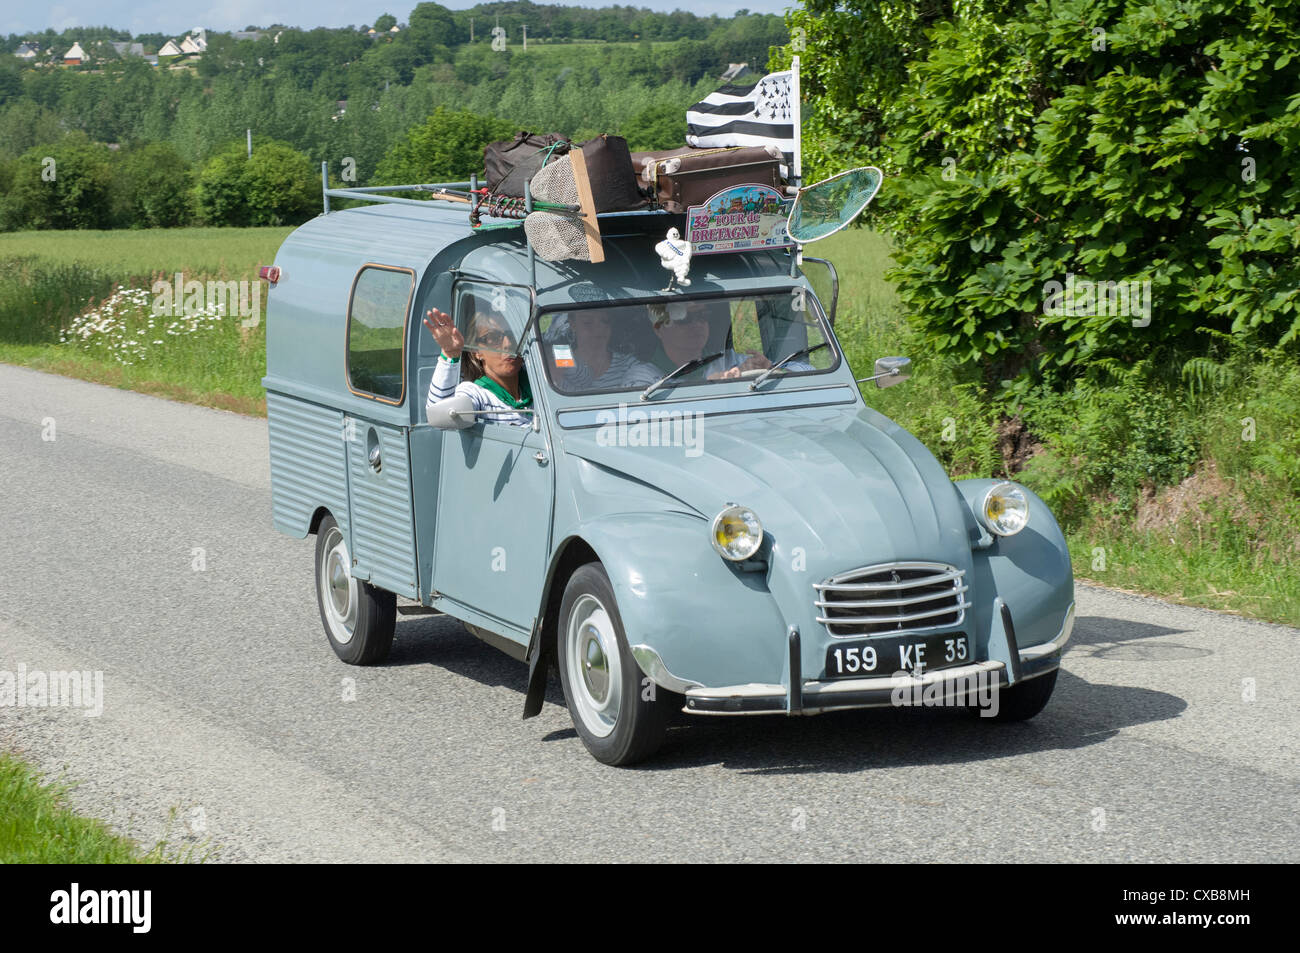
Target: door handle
(540,457)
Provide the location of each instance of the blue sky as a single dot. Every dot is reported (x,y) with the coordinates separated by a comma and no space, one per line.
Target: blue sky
(178,16)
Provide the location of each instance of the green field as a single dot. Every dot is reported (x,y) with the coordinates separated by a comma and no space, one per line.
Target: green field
(127,253)
(1225,538)
(79,303)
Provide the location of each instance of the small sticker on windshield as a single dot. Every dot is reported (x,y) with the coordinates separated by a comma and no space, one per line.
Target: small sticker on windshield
(563,355)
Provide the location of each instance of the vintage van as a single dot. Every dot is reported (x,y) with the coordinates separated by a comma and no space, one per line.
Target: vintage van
(730,540)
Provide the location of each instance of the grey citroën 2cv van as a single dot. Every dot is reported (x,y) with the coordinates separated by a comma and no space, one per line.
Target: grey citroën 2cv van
(717,539)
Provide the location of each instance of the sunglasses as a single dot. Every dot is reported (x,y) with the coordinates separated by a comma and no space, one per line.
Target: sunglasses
(494,338)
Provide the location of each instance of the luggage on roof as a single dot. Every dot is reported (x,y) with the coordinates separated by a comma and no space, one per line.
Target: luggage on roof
(679,178)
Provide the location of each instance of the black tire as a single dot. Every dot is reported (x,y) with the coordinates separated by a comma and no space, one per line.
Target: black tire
(358,618)
(636,726)
(1024,700)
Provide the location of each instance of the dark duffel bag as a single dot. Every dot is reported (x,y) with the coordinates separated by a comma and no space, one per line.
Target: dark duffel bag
(612,175)
(515,161)
(683,177)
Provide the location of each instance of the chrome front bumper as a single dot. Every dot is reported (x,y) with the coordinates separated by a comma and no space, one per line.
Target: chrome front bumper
(842,693)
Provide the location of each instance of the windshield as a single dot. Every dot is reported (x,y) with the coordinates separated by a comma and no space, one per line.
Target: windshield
(631,347)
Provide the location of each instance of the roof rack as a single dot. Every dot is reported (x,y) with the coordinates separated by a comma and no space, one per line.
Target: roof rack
(440,192)
(461,193)
(376,193)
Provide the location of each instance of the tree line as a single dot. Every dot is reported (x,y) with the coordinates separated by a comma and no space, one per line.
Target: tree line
(337,97)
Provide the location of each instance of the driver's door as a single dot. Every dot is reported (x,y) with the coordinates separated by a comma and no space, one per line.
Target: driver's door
(495,496)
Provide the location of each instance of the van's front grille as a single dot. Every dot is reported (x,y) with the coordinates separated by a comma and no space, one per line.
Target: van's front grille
(892,598)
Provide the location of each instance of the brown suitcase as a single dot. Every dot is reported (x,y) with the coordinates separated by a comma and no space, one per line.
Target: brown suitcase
(701,173)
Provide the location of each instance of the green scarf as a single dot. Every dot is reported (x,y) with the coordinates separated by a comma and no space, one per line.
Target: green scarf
(525,392)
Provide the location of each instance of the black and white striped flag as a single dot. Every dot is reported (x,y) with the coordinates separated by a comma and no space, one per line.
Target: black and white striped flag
(748,116)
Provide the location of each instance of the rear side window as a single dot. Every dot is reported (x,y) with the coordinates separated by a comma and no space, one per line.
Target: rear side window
(377,315)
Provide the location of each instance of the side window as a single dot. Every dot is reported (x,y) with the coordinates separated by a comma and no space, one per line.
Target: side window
(487,315)
(377,313)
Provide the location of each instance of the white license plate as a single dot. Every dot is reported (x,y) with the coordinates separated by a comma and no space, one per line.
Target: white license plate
(886,655)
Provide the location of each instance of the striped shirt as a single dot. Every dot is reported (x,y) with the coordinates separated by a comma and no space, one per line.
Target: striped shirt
(624,371)
(445,383)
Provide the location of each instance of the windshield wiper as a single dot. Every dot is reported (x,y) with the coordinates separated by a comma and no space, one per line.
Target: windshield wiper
(688,366)
(785,360)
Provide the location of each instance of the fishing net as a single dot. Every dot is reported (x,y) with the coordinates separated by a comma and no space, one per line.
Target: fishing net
(826,207)
(556,236)
(555,183)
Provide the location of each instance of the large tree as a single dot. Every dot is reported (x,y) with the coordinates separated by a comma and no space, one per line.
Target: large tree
(63,185)
(431,25)
(1108,140)
(447,146)
(276,186)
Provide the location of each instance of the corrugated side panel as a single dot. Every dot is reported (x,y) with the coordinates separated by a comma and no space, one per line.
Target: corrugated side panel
(383,529)
(307,461)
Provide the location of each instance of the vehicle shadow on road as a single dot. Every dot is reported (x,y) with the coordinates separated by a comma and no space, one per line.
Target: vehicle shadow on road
(1122,640)
(1080,714)
(444,642)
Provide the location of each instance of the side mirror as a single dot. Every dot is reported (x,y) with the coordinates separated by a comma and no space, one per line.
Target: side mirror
(890,371)
(454,413)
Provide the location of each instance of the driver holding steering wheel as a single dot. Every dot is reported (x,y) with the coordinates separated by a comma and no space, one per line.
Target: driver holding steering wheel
(684,329)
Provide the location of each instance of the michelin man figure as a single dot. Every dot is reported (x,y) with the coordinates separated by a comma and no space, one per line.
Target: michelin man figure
(675,255)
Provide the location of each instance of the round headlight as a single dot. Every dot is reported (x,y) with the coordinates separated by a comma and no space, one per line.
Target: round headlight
(1005,510)
(736,533)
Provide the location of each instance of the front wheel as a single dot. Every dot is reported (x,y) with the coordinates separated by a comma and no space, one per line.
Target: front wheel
(359,619)
(621,717)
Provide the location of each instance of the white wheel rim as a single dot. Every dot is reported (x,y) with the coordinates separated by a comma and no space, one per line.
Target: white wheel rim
(595,666)
(337,588)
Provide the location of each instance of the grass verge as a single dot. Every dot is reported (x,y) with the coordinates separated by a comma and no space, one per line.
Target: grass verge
(37,826)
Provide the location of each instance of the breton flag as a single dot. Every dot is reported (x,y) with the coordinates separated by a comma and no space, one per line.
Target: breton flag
(758,115)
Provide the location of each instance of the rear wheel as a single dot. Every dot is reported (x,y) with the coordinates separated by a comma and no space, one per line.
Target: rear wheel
(620,716)
(359,619)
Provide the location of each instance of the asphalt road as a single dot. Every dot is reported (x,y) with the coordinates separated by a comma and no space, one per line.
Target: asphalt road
(227,724)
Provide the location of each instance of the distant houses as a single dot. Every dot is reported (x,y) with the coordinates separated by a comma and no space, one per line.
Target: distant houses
(192,45)
(196,41)
(90,54)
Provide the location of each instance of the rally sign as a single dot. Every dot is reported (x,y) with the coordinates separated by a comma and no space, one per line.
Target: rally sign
(740,218)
